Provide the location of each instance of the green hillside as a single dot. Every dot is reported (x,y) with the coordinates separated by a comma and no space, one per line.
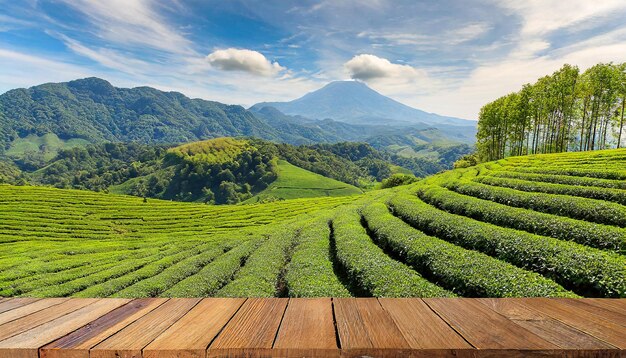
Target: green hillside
(294,182)
(48,145)
(218,171)
(546,225)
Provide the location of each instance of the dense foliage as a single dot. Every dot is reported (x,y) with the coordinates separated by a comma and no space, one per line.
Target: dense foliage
(566,111)
(397,180)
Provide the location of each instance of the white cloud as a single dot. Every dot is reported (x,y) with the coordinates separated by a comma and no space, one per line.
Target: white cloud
(254,62)
(466,33)
(369,67)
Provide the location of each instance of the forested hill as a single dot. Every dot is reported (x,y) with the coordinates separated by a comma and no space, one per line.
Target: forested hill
(221,170)
(94,110)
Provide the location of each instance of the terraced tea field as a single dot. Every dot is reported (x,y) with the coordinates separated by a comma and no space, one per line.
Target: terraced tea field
(548,225)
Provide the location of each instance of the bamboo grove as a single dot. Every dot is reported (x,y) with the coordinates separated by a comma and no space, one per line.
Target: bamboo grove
(565,111)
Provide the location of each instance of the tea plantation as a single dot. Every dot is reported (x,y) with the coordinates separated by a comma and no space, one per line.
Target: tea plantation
(547,225)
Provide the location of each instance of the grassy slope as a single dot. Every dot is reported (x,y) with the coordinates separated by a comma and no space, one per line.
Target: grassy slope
(295,182)
(48,144)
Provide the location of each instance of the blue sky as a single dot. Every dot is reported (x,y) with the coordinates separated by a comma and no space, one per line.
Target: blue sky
(448,57)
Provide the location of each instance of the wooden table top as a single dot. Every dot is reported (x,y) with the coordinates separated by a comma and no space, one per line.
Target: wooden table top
(307,327)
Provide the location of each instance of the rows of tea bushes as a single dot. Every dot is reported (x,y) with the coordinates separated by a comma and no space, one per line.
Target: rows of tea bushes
(547,225)
(311,271)
(77,243)
(598,211)
(582,269)
(370,268)
(466,272)
(613,195)
(591,234)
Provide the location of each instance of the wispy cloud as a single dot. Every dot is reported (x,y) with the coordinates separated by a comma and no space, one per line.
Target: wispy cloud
(132,22)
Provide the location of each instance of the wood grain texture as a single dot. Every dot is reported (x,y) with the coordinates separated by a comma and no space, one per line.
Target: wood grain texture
(484,328)
(128,342)
(191,335)
(589,323)
(307,329)
(78,343)
(613,304)
(606,313)
(546,327)
(11,303)
(364,328)
(257,327)
(251,332)
(421,327)
(33,320)
(26,344)
(33,307)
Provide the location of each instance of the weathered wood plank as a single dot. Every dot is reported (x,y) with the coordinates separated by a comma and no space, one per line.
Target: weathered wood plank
(191,335)
(252,330)
(31,321)
(587,322)
(421,327)
(486,329)
(12,303)
(307,330)
(156,328)
(606,313)
(26,344)
(33,307)
(365,328)
(546,327)
(78,343)
(128,342)
(613,304)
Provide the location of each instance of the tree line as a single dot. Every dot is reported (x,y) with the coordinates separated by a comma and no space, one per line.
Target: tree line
(565,111)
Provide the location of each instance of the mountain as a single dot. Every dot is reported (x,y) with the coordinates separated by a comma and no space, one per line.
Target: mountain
(38,122)
(93,110)
(354,102)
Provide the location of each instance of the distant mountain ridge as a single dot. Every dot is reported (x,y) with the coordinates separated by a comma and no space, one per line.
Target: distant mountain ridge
(37,122)
(94,110)
(354,102)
